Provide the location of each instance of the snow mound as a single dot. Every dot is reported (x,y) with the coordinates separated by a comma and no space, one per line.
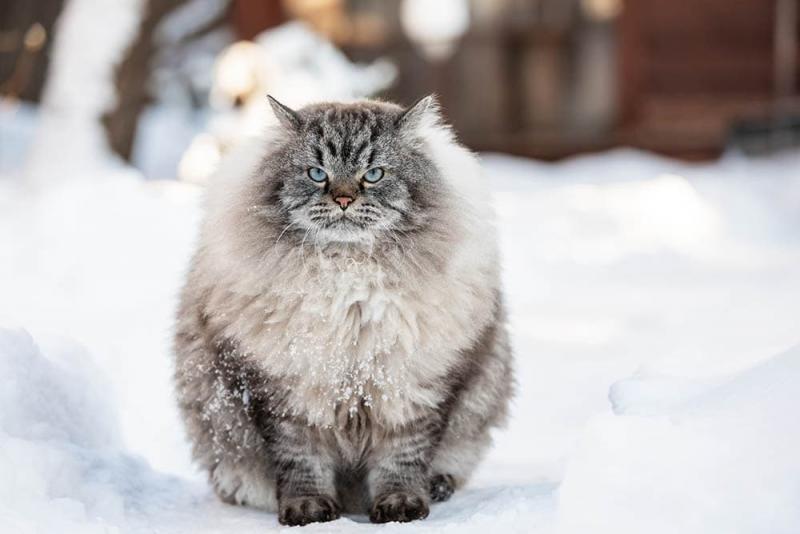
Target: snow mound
(52,399)
(58,444)
(722,458)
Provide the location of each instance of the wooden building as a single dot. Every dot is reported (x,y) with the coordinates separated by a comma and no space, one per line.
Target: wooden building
(541,78)
(550,78)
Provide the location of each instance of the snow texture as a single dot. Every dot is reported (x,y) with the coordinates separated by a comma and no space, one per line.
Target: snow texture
(723,459)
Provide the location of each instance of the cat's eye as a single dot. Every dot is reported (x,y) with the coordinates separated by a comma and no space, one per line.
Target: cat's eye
(373,175)
(317,174)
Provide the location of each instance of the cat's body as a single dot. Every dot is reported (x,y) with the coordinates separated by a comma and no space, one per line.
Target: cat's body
(329,361)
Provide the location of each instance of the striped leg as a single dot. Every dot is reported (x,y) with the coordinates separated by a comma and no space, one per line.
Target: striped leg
(305,476)
(399,476)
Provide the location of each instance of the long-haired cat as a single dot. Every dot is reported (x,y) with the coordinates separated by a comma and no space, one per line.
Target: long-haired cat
(340,341)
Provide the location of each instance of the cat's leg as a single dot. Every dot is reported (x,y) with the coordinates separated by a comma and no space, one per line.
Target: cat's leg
(479,400)
(252,457)
(215,399)
(399,472)
(244,482)
(305,472)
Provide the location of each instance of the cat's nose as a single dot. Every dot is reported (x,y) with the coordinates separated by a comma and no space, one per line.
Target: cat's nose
(343,201)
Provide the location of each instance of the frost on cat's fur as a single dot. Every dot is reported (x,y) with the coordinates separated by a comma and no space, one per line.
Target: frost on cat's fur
(341,341)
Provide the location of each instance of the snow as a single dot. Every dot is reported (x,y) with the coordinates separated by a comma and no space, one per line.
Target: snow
(101,263)
(302,67)
(722,460)
(652,304)
(435,27)
(17,126)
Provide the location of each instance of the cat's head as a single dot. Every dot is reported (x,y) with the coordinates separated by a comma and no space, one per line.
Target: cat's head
(351,173)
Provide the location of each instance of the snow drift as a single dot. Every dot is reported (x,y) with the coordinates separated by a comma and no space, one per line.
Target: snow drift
(59,445)
(674,458)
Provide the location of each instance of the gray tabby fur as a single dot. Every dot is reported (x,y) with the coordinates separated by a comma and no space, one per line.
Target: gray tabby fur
(354,360)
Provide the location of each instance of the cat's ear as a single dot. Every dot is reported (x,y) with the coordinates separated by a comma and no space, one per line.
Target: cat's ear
(288,117)
(423,111)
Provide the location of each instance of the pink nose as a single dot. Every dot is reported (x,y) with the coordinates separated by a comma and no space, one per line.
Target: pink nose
(343,201)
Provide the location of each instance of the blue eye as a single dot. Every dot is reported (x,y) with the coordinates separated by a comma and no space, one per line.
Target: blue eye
(317,174)
(373,175)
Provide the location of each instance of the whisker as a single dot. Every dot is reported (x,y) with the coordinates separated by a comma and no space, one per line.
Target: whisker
(284,231)
(401,211)
(303,250)
(411,257)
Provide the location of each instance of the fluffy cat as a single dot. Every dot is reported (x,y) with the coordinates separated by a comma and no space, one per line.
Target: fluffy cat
(340,340)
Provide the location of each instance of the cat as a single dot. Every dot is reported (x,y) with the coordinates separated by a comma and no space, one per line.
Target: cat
(340,341)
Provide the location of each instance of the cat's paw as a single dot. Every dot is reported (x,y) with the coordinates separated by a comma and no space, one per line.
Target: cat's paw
(442,487)
(398,506)
(293,511)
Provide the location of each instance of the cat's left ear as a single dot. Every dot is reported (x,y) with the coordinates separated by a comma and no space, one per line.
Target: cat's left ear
(424,111)
(288,117)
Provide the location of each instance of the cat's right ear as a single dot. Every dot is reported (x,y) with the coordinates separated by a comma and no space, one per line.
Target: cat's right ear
(288,117)
(424,110)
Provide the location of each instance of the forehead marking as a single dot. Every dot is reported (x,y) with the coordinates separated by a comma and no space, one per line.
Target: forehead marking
(331,148)
(347,134)
(360,150)
(346,146)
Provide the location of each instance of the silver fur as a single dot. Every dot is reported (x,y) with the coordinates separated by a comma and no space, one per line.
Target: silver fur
(353,359)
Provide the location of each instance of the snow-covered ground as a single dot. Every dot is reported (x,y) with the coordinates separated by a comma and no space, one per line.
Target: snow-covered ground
(654,307)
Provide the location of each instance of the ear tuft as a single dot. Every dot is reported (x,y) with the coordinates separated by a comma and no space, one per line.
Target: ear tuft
(288,117)
(426,109)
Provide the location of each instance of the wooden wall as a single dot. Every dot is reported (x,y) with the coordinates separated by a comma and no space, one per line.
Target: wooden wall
(689,69)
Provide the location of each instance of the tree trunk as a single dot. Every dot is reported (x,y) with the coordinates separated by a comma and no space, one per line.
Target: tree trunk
(131,79)
(23,65)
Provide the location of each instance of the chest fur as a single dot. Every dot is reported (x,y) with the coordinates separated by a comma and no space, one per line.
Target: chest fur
(343,335)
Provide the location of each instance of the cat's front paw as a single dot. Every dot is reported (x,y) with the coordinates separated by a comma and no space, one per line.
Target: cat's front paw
(295,511)
(442,487)
(398,506)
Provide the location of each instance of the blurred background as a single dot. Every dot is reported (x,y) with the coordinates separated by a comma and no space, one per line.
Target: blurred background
(538,78)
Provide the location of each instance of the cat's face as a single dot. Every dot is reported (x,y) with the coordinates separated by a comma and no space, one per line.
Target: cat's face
(351,173)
